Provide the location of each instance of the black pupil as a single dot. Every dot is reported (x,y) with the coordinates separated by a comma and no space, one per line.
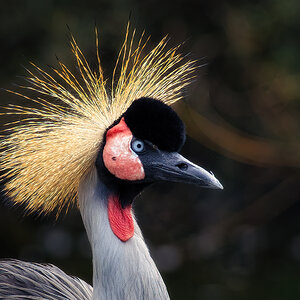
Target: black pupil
(139,145)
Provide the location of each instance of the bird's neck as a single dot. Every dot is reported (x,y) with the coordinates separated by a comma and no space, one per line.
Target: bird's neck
(121,270)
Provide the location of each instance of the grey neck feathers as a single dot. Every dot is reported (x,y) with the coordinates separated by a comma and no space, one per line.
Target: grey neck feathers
(121,270)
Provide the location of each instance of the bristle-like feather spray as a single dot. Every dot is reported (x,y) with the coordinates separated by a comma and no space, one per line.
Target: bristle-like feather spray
(46,154)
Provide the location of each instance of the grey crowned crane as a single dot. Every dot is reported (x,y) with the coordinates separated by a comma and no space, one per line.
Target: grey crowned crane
(98,148)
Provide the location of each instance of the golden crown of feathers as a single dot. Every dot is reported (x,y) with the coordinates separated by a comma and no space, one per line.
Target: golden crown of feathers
(46,154)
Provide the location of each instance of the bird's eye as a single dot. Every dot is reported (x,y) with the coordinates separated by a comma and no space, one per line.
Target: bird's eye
(137,145)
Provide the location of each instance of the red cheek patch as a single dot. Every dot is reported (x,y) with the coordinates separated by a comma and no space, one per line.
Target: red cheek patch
(118,157)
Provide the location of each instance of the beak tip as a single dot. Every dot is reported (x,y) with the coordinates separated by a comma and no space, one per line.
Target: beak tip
(220,186)
(217,185)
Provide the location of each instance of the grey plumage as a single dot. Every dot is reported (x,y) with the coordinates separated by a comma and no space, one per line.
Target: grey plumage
(24,280)
(121,271)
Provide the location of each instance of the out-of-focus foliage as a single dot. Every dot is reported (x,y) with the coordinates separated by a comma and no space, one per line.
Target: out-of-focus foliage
(242,117)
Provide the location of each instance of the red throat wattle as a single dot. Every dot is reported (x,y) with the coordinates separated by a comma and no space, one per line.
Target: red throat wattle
(120,219)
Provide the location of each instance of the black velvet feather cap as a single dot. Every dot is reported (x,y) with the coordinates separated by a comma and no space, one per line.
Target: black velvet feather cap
(154,121)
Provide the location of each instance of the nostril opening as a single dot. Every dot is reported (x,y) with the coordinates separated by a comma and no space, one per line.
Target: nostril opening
(182,166)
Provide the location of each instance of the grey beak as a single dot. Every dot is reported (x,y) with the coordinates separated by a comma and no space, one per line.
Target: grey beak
(174,167)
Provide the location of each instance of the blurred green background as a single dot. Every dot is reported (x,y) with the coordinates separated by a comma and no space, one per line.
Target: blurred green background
(242,117)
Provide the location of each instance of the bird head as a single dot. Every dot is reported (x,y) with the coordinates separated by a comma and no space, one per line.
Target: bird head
(143,146)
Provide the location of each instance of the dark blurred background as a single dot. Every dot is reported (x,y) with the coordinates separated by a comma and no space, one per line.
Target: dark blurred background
(242,118)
